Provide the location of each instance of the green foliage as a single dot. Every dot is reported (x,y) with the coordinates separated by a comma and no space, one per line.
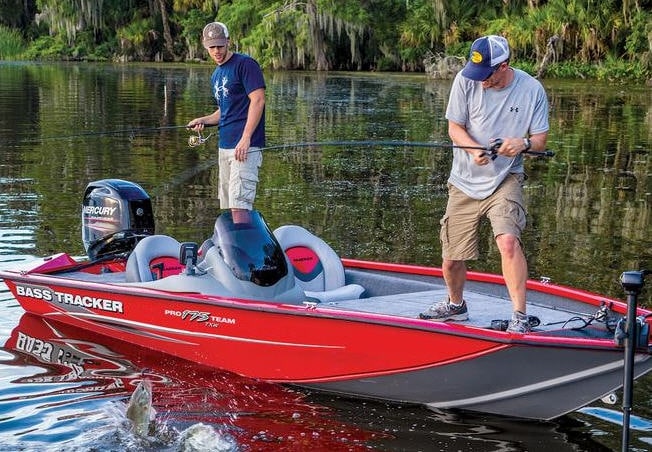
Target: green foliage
(136,31)
(280,40)
(618,69)
(192,23)
(570,70)
(139,40)
(638,43)
(104,51)
(603,39)
(12,43)
(47,48)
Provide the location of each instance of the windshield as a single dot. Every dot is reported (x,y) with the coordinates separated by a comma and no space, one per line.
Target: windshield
(249,248)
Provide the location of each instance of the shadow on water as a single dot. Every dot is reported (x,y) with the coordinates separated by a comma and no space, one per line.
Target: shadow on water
(414,428)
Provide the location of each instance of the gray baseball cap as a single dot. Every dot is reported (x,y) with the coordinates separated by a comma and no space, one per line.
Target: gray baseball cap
(215,34)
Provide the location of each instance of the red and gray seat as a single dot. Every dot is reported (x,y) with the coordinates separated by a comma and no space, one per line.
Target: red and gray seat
(318,270)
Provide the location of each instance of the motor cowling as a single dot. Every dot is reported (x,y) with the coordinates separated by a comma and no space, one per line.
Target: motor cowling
(116,215)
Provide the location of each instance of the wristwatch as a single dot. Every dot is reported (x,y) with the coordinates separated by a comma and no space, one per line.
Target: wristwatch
(527,143)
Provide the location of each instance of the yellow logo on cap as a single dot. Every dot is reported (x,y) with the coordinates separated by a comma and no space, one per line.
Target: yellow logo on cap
(476,57)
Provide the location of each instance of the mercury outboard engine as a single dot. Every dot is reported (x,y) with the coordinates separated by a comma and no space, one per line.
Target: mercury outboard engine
(116,215)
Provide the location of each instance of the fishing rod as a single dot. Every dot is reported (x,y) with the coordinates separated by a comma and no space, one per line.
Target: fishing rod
(419,144)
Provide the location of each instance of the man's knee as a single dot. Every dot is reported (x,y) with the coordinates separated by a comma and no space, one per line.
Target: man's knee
(452,266)
(508,244)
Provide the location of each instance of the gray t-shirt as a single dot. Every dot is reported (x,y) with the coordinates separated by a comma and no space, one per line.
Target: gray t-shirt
(518,110)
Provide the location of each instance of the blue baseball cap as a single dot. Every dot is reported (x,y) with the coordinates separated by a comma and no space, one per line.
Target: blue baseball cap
(486,53)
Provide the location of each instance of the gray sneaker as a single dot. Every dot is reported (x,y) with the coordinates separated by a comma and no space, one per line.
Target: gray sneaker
(445,310)
(519,323)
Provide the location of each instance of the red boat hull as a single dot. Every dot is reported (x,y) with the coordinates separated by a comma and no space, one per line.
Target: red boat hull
(353,352)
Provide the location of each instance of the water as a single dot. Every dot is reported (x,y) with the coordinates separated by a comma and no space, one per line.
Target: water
(63,125)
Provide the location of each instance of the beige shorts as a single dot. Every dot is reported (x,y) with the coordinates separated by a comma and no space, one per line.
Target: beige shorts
(460,224)
(238,180)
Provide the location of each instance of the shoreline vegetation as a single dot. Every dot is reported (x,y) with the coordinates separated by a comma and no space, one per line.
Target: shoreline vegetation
(584,39)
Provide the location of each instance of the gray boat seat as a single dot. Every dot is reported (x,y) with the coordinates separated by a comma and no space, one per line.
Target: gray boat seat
(154,257)
(318,270)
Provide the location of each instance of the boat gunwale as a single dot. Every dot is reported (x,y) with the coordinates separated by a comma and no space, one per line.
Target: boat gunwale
(313,310)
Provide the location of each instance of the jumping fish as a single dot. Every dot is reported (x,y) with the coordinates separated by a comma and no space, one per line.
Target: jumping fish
(139,409)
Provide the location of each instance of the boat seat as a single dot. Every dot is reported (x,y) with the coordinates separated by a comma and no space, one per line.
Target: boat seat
(154,257)
(318,270)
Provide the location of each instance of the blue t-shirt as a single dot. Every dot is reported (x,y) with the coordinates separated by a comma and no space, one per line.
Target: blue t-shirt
(231,84)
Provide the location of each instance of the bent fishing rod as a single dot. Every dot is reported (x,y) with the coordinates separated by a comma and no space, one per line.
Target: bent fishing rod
(196,140)
(199,139)
(491,150)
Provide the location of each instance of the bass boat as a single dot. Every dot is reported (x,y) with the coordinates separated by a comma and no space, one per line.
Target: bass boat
(281,306)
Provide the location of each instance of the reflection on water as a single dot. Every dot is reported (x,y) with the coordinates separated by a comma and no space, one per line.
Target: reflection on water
(589,212)
(60,380)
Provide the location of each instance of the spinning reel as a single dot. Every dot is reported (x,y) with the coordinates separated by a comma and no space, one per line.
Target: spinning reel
(198,140)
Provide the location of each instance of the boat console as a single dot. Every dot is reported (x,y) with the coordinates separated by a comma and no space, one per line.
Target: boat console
(242,259)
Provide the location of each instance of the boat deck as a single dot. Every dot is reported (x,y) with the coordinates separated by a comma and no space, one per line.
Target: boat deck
(408,296)
(482,308)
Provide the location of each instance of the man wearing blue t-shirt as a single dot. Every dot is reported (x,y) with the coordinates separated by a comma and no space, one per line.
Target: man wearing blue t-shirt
(489,100)
(238,86)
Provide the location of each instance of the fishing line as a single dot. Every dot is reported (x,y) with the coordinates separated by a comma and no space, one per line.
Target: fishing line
(131,131)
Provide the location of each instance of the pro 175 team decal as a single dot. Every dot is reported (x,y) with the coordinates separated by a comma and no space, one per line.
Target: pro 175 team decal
(85,301)
(207,318)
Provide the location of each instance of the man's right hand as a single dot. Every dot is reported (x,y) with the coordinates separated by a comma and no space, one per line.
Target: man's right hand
(196,124)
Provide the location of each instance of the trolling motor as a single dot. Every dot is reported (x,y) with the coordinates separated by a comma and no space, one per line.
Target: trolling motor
(635,334)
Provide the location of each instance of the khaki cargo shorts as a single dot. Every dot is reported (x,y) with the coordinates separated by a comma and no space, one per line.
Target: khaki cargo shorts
(238,180)
(459,226)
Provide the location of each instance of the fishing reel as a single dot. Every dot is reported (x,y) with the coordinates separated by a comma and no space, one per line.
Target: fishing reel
(496,143)
(493,147)
(198,140)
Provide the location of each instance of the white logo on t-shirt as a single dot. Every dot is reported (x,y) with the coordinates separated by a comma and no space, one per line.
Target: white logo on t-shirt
(220,89)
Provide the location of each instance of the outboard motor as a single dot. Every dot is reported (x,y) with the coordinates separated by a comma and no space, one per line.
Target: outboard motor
(116,215)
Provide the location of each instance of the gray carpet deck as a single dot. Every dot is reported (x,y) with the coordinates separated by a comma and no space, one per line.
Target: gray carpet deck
(482,308)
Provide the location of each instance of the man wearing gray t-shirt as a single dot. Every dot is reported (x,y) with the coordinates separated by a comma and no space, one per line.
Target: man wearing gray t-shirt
(489,100)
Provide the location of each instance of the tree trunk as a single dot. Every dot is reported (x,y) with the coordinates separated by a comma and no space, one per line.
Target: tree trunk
(317,36)
(167,35)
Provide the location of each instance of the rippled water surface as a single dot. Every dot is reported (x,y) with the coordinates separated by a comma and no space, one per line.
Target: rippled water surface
(65,125)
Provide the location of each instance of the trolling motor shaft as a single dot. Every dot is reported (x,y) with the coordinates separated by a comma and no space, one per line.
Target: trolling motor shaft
(632,282)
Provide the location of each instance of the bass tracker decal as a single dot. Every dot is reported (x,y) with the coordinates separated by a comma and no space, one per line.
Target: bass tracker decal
(47,294)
